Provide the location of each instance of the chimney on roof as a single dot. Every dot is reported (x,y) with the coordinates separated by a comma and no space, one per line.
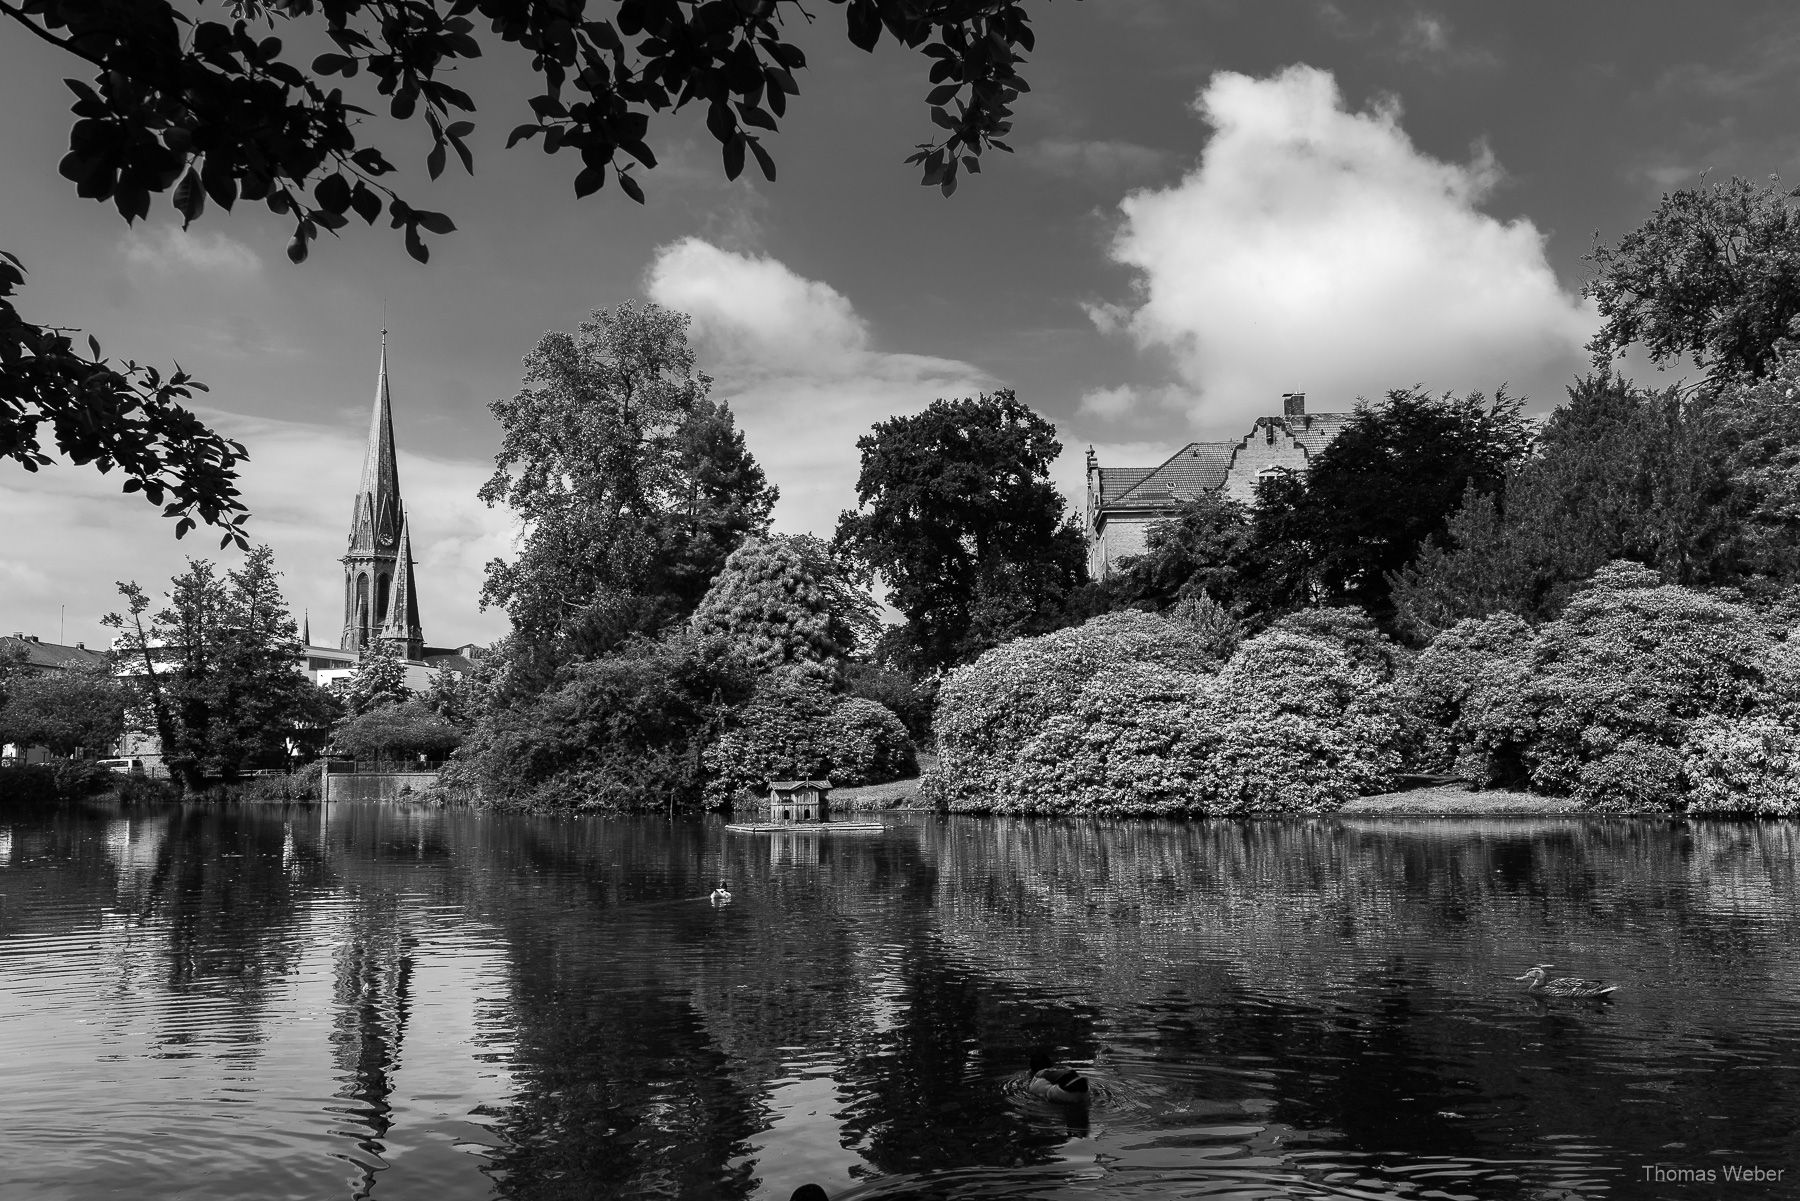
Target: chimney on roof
(1293,404)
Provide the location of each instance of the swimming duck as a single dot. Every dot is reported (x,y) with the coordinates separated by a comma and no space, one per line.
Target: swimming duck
(1053,1082)
(809,1192)
(1563,986)
(720,896)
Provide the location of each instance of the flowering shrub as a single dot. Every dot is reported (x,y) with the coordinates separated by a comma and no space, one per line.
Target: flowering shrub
(988,710)
(1602,706)
(1298,726)
(776,610)
(1751,765)
(872,745)
(1127,714)
(792,729)
(1641,696)
(1477,655)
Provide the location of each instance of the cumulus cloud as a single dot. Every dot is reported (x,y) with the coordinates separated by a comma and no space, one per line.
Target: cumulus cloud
(1317,249)
(171,248)
(299,483)
(795,361)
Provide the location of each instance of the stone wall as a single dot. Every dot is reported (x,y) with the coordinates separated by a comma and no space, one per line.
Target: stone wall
(375,786)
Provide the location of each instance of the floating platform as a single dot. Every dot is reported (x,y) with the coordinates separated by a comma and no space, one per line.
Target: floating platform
(804,827)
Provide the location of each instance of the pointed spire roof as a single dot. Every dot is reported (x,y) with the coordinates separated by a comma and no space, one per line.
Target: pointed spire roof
(380,472)
(306,627)
(402,623)
(375,521)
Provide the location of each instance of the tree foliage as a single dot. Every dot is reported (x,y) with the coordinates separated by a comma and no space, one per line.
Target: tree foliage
(126,417)
(65,711)
(1712,276)
(784,604)
(1205,550)
(1389,481)
(621,733)
(793,729)
(1083,721)
(1604,703)
(378,681)
(1620,473)
(958,516)
(209,110)
(404,730)
(632,485)
(213,671)
(223,111)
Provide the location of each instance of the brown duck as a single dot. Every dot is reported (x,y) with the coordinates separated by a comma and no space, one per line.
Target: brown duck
(1562,986)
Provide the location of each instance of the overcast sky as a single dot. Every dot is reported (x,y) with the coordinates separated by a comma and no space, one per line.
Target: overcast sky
(1212,203)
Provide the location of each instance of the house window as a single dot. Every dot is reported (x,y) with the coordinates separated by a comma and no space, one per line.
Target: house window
(786,813)
(806,815)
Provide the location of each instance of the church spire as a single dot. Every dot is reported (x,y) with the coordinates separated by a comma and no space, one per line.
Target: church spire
(376,564)
(402,628)
(380,486)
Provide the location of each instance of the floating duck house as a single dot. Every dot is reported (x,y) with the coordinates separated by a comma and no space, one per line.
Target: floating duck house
(791,801)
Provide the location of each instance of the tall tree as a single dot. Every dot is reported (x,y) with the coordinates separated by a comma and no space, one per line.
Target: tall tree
(721,498)
(210,110)
(214,671)
(630,482)
(1620,473)
(1713,276)
(1390,480)
(958,516)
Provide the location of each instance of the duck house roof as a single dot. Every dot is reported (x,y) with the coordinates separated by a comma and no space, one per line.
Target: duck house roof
(797,785)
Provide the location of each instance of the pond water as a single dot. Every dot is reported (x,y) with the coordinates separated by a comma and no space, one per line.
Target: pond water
(225,1002)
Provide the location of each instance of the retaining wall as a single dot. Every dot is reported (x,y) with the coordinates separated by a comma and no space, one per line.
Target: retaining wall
(374,786)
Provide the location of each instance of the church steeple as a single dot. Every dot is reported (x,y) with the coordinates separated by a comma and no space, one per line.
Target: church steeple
(401,632)
(376,566)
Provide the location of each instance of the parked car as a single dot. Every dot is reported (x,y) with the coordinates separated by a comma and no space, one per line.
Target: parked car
(125,767)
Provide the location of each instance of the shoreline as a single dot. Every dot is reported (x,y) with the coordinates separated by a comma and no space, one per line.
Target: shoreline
(1436,800)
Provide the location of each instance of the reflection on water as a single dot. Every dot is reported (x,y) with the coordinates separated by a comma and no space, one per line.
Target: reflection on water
(388,1002)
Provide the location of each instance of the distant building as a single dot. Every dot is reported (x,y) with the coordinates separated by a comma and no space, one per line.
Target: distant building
(37,656)
(381,596)
(34,656)
(1124,502)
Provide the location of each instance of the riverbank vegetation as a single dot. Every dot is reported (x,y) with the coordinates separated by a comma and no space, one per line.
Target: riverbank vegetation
(1598,607)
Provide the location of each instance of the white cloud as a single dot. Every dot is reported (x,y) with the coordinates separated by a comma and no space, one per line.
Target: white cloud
(299,483)
(794,359)
(171,248)
(1315,249)
(1110,402)
(756,312)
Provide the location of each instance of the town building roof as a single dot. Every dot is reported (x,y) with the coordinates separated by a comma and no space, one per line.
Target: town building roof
(1203,466)
(43,656)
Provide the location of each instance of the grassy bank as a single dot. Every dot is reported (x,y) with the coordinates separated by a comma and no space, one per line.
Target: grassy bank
(1440,800)
(1458,800)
